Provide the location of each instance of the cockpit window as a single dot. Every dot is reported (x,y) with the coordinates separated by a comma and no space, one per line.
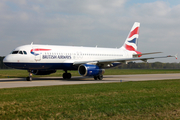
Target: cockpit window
(20,52)
(25,52)
(14,52)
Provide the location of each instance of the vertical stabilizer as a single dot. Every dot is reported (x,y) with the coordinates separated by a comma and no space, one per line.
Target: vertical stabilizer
(132,39)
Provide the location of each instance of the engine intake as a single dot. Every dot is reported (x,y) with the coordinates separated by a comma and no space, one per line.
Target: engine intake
(90,70)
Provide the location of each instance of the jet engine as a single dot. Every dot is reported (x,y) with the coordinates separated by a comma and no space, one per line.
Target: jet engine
(43,72)
(90,70)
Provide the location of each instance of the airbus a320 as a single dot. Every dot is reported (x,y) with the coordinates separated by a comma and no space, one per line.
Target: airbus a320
(89,61)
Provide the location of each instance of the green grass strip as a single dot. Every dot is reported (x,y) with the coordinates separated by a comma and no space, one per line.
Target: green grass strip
(127,100)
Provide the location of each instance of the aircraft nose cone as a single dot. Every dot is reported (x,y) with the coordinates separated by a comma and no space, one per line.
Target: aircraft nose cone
(6,59)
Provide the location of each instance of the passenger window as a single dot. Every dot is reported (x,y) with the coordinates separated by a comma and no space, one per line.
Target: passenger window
(25,52)
(20,52)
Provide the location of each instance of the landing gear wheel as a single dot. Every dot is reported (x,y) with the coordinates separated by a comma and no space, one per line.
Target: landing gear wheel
(95,77)
(29,78)
(100,77)
(66,75)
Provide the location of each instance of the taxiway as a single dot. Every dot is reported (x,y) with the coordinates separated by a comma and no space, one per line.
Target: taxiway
(49,81)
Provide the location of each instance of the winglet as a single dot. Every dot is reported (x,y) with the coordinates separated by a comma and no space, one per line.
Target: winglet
(173,56)
(176,55)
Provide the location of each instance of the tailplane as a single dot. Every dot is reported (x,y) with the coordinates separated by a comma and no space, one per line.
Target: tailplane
(132,39)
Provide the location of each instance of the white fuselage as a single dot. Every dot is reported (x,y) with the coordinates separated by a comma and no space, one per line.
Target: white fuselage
(63,54)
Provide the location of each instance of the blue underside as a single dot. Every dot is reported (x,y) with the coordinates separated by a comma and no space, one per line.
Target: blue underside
(46,66)
(42,66)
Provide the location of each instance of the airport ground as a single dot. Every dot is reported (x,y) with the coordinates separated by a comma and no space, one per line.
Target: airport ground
(13,73)
(50,81)
(123,98)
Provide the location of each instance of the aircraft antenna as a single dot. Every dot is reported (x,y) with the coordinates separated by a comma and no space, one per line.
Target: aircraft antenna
(32,43)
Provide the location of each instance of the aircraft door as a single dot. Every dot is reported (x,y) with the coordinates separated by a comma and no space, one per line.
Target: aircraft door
(37,54)
(38,57)
(79,55)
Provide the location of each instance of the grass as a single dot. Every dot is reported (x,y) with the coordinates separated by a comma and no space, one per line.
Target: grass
(23,73)
(128,100)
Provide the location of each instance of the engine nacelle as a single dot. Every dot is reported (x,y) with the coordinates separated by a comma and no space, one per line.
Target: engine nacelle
(90,70)
(43,72)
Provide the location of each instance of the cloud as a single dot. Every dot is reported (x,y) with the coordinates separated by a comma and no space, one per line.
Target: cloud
(103,7)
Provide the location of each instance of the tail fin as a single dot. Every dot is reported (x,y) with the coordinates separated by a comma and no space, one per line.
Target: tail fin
(132,39)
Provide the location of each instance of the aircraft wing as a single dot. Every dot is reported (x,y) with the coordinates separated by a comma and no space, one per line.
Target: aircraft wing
(120,60)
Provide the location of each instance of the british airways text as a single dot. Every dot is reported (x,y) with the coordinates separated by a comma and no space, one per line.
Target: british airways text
(56,57)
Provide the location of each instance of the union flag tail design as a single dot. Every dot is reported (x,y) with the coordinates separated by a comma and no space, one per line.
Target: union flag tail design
(132,39)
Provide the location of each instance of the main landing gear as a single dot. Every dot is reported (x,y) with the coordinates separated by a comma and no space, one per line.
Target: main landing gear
(30,77)
(99,77)
(66,75)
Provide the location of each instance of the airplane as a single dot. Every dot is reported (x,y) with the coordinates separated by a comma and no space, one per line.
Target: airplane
(89,61)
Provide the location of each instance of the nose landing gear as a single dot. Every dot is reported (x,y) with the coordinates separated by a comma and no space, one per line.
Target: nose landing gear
(29,78)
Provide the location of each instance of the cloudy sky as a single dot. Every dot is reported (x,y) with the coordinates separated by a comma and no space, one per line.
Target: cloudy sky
(105,23)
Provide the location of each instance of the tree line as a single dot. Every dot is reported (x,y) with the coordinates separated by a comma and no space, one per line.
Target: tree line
(2,66)
(131,65)
(155,65)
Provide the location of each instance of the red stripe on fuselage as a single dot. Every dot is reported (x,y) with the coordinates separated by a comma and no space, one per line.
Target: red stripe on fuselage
(39,49)
(135,31)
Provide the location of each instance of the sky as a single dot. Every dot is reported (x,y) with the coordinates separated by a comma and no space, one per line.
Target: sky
(105,23)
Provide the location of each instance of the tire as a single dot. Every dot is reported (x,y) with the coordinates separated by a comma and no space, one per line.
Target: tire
(29,78)
(95,77)
(100,77)
(66,76)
